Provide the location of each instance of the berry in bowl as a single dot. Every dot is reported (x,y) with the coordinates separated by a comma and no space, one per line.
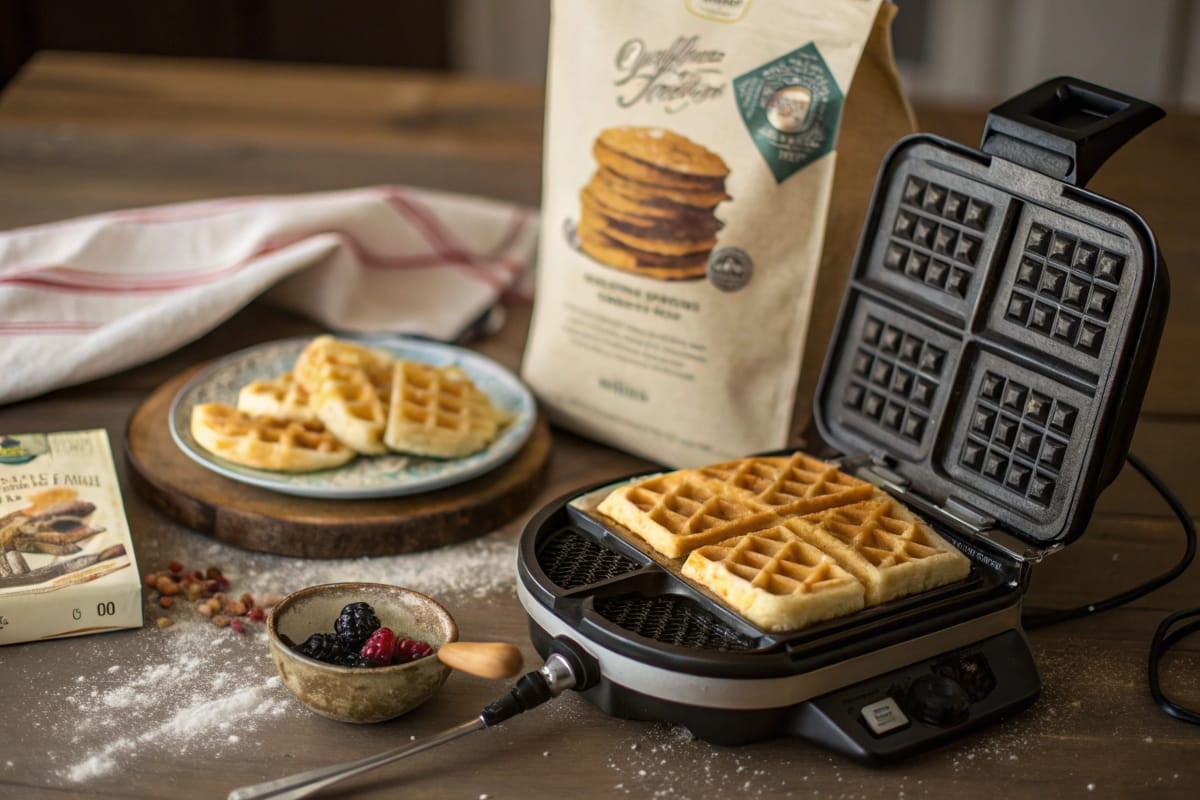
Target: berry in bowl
(360,652)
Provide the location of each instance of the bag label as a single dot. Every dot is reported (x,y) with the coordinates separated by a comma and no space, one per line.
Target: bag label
(791,107)
(675,77)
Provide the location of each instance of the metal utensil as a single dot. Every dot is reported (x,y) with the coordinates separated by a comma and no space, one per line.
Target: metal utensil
(534,688)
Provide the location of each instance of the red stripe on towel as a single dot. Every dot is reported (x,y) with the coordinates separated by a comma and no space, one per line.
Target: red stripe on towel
(445,245)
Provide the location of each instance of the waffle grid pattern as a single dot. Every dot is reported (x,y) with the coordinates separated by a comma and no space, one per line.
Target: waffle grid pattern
(276,397)
(776,562)
(671,619)
(874,531)
(266,442)
(1018,437)
(751,531)
(571,560)
(1065,289)
(894,377)
(935,238)
(348,386)
(437,411)
(802,486)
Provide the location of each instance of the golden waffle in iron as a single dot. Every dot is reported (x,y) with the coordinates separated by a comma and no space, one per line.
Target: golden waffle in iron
(677,512)
(887,547)
(349,387)
(282,397)
(266,442)
(438,411)
(775,579)
(788,485)
(880,545)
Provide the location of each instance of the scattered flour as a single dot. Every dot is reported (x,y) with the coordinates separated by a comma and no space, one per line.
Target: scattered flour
(183,703)
(195,688)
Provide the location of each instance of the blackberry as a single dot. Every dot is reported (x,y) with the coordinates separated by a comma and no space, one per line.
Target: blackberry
(355,625)
(349,658)
(323,647)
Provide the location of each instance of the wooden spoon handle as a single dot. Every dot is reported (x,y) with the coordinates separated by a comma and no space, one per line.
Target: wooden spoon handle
(482,659)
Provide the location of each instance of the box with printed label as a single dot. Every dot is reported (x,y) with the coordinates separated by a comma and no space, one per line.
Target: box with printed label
(67,566)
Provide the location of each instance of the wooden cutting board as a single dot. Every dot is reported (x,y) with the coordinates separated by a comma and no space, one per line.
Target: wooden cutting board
(263,520)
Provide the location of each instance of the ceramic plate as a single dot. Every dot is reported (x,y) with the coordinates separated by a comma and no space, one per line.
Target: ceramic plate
(375,476)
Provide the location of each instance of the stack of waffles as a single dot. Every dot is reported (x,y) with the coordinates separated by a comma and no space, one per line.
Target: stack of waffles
(648,207)
(786,541)
(342,399)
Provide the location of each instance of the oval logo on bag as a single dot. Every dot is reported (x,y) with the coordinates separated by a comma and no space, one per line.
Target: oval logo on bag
(719,10)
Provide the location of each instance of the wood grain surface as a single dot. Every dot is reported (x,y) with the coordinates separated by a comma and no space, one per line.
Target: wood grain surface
(259,519)
(81,134)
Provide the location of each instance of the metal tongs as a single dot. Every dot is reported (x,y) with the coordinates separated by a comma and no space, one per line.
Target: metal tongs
(555,676)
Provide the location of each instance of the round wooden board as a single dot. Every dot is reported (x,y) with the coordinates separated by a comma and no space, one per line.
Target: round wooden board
(258,519)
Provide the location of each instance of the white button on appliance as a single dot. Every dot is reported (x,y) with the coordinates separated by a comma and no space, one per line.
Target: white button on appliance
(884,716)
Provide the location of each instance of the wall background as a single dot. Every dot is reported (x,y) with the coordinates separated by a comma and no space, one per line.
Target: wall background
(949,51)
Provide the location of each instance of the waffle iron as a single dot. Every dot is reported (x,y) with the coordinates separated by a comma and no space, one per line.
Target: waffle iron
(988,365)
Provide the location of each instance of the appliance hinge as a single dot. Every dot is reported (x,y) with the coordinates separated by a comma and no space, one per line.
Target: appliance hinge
(954,513)
(985,527)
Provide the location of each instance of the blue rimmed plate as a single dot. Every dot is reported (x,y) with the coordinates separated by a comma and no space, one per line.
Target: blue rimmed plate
(390,475)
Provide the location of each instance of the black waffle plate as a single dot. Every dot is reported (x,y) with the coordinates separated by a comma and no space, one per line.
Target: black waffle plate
(620,593)
(998,330)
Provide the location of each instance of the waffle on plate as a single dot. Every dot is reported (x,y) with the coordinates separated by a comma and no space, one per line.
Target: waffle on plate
(343,399)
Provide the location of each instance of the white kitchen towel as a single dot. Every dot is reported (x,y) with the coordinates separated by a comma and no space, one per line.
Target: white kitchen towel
(87,297)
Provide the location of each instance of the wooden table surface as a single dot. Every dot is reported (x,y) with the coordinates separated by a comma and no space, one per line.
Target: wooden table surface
(192,710)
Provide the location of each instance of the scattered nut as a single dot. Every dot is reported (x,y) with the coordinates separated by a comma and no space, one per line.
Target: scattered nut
(208,592)
(165,585)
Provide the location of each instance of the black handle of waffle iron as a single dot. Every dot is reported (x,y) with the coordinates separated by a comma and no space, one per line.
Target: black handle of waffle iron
(530,691)
(567,667)
(1065,128)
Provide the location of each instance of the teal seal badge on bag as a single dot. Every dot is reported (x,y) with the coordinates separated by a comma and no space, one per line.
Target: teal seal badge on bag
(791,107)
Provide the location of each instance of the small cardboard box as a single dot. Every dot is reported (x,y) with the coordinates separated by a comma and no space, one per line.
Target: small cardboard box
(67,565)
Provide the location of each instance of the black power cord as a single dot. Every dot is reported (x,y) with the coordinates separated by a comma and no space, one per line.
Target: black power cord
(1168,632)
(1164,637)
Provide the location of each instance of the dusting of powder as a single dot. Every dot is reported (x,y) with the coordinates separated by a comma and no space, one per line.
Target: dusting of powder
(199,689)
(661,760)
(210,683)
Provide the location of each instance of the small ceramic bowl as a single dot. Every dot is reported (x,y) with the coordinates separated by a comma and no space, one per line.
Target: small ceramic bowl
(359,694)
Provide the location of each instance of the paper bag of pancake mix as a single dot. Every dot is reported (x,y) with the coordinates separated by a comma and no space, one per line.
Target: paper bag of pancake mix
(708,164)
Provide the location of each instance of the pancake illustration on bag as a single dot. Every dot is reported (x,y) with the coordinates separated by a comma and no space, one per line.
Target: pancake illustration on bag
(649,207)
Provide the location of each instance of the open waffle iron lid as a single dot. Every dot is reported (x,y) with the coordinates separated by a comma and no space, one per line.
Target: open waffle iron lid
(1000,322)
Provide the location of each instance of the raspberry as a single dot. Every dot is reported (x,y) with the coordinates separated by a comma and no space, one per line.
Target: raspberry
(356,622)
(379,648)
(410,650)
